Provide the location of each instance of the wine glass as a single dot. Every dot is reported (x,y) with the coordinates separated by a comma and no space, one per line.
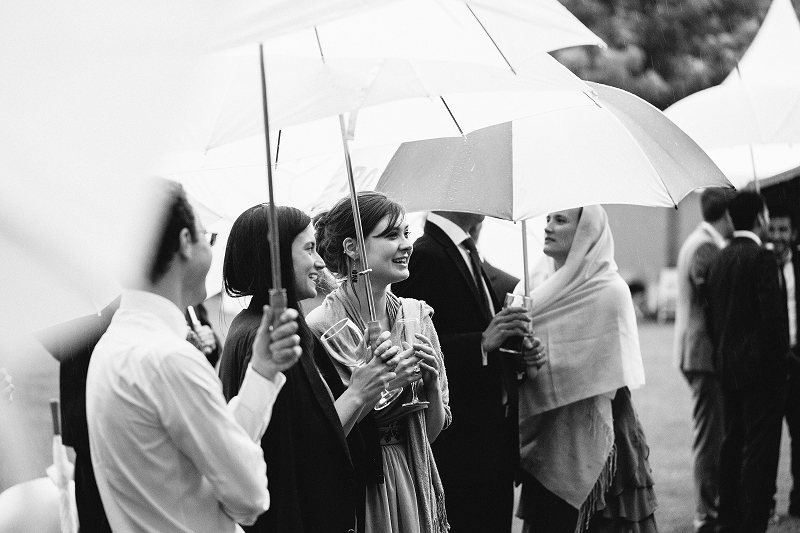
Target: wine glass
(345,343)
(342,341)
(406,329)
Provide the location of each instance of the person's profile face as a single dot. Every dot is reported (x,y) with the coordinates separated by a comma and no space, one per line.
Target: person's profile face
(560,232)
(307,263)
(781,234)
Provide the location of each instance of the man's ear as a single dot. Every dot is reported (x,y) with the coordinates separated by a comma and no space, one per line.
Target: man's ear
(350,248)
(185,242)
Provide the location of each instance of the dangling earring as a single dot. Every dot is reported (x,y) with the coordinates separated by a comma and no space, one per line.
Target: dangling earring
(354,275)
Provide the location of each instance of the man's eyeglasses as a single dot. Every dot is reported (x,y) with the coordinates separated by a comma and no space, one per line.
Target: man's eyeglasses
(211,237)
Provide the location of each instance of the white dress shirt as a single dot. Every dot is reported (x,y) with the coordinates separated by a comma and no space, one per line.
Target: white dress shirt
(791,300)
(169,454)
(749,235)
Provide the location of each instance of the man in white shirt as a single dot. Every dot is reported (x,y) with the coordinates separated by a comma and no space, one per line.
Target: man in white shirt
(783,236)
(693,352)
(168,452)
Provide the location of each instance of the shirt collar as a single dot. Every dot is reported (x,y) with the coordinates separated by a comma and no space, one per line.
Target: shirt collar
(451,229)
(717,236)
(749,235)
(163,309)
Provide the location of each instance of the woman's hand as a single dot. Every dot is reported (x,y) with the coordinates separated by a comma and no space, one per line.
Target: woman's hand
(428,364)
(534,355)
(276,346)
(370,379)
(406,362)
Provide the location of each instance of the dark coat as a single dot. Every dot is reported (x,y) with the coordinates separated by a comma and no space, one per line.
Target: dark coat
(72,344)
(314,486)
(478,454)
(747,317)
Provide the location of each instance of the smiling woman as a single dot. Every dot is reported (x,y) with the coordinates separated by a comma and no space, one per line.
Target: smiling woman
(407,495)
(313,447)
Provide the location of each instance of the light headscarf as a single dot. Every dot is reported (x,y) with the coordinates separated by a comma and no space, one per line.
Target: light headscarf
(584,315)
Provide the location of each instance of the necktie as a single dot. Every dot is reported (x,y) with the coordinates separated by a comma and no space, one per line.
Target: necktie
(477,273)
(194,339)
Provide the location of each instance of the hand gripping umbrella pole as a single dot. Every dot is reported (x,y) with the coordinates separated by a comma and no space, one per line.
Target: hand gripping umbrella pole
(277,294)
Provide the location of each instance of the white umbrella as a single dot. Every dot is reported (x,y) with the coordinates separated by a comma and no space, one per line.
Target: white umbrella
(750,124)
(608,147)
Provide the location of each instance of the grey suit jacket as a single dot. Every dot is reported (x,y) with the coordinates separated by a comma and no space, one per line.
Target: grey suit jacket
(693,351)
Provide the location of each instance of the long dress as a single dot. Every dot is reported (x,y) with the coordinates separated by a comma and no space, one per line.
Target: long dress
(411,498)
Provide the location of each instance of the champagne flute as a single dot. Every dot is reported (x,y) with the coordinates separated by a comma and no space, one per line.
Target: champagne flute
(514,345)
(406,329)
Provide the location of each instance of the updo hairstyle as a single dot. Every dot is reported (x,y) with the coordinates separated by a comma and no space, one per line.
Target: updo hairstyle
(337,224)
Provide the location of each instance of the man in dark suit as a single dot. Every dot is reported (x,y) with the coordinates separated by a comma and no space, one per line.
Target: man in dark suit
(694,354)
(478,454)
(501,281)
(72,344)
(748,326)
(783,235)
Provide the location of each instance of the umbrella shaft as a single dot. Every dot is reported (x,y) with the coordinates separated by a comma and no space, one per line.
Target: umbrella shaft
(362,252)
(525,266)
(274,247)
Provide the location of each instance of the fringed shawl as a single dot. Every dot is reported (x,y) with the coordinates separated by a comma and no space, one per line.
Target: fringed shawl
(584,315)
(428,484)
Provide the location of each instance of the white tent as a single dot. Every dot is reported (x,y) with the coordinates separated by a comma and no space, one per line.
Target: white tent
(750,124)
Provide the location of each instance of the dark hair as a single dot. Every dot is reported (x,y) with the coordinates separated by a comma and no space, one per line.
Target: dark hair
(178,214)
(744,209)
(334,226)
(247,268)
(714,203)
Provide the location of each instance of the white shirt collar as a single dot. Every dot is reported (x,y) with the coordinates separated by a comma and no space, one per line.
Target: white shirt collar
(717,236)
(748,234)
(451,229)
(148,302)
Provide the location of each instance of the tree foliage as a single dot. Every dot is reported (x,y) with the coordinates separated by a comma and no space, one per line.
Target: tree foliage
(664,50)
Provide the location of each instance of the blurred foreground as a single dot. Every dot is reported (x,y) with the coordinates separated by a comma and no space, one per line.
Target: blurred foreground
(664,407)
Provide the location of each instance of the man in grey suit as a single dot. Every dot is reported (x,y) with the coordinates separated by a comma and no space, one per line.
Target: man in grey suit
(693,351)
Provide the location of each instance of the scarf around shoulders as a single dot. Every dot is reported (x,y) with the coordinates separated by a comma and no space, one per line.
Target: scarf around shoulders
(584,316)
(428,485)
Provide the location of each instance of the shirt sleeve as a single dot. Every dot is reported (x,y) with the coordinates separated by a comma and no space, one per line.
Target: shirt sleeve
(220,439)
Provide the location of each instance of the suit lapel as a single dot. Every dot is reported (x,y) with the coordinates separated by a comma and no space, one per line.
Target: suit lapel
(324,400)
(453,252)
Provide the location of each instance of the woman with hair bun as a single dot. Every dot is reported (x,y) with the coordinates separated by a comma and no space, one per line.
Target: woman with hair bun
(411,498)
(314,449)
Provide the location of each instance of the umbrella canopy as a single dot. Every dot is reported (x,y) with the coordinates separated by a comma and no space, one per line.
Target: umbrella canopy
(602,147)
(750,124)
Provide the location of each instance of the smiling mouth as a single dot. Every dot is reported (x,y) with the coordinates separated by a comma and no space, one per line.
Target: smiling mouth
(401,261)
(314,276)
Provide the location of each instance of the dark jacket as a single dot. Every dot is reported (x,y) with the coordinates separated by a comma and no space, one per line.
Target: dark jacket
(479,451)
(314,486)
(747,317)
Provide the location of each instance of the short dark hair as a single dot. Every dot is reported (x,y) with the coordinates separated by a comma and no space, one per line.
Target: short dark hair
(714,203)
(744,209)
(247,267)
(334,226)
(178,214)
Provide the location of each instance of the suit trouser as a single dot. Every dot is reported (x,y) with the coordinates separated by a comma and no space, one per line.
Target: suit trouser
(749,457)
(793,421)
(709,429)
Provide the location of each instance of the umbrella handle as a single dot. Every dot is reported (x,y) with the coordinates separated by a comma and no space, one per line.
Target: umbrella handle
(56,412)
(278,302)
(373,332)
